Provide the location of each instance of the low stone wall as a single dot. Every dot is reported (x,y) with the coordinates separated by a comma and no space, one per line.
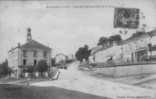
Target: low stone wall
(127,70)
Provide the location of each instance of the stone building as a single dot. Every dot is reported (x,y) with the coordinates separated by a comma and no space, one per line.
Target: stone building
(28,54)
(131,50)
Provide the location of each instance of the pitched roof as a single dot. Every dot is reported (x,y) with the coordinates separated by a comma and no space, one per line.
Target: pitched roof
(142,36)
(35,44)
(12,49)
(132,39)
(96,49)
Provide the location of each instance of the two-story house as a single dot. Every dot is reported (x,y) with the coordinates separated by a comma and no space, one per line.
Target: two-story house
(28,54)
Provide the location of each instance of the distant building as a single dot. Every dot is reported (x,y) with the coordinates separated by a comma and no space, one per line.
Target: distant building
(28,54)
(70,57)
(60,58)
(134,48)
(102,55)
(131,50)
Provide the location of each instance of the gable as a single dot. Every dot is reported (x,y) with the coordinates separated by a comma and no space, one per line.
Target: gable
(35,44)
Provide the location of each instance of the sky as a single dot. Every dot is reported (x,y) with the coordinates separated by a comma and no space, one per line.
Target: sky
(63,26)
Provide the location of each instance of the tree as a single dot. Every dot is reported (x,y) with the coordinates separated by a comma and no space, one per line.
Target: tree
(42,66)
(78,54)
(137,34)
(115,38)
(86,52)
(83,53)
(102,41)
(5,69)
(109,41)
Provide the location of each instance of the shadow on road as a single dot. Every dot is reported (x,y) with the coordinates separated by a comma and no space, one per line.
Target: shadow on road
(23,92)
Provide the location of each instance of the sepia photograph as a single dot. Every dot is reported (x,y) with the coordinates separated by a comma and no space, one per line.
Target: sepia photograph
(77,49)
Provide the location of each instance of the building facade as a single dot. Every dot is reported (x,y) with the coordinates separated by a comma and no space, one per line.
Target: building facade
(60,58)
(28,54)
(131,50)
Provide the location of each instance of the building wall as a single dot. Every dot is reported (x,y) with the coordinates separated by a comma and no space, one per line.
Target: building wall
(40,56)
(153,40)
(14,59)
(103,56)
(127,70)
(60,58)
(123,53)
(131,48)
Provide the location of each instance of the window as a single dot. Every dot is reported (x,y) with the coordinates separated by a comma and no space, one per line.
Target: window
(35,62)
(24,53)
(24,61)
(35,53)
(45,54)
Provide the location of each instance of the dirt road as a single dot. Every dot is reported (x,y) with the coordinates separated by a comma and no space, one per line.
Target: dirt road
(73,79)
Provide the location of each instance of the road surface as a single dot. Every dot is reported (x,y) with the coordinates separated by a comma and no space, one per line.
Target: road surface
(74,79)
